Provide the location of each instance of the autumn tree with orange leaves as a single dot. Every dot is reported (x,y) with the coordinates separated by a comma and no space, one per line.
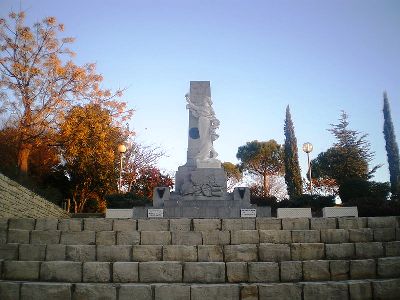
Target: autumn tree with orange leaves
(40,83)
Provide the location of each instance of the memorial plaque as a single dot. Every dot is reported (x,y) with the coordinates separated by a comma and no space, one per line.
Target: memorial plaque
(155,213)
(248,213)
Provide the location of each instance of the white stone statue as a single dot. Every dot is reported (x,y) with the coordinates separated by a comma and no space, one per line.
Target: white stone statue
(207,126)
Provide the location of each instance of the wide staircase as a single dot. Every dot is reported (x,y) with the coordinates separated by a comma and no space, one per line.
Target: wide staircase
(198,259)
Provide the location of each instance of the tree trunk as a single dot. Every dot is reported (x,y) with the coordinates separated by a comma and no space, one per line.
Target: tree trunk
(266,185)
(23,158)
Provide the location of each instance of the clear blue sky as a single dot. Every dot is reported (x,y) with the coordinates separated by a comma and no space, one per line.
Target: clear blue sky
(319,57)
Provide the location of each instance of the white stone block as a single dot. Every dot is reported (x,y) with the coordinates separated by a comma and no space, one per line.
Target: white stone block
(350,211)
(304,212)
(119,213)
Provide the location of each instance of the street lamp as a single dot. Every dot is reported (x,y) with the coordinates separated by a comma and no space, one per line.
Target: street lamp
(307,148)
(121,150)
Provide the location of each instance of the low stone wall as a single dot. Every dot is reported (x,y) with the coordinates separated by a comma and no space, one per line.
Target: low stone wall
(19,202)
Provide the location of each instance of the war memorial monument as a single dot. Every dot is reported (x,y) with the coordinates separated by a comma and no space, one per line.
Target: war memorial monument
(201,184)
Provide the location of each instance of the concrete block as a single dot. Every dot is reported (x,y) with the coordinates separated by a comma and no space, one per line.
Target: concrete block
(245,237)
(384,234)
(96,272)
(82,253)
(9,251)
(70,225)
(274,252)
(180,224)
(397,234)
(382,222)
(360,290)
(362,269)
(351,223)
(21,270)
(63,271)
(160,271)
(55,252)
(304,212)
(238,224)
(361,235)
(281,291)
(215,291)
(204,272)
(97,224)
(45,237)
(9,290)
(18,236)
(291,271)
(340,251)
(240,252)
(268,224)
(119,213)
(369,250)
(340,269)
(128,238)
(146,252)
(316,270)
(296,224)
(206,224)
(114,253)
(263,272)
(189,238)
(179,253)
(322,223)
(45,290)
(320,290)
(32,252)
(155,237)
(46,224)
(307,251)
(153,225)
(237,272)
(21,224)
(78,238)
(216,237)
(105,238)
(128,225)
(275,236)
(249,292)
(171,292)
(94,291)
(306,236)
(388,289)
(334,236)
(389,267)
(3,236)
(135,291)
(392,248)
(125,272)
(349,211)
(210,253)
(3,223)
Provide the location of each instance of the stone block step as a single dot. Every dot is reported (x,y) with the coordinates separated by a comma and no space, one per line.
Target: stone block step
(352,289)
(204,253)
(200,272)
(211,237)
(99,224)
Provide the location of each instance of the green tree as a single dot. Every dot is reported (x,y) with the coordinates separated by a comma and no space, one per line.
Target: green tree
(392,149)
(89,142)
(349,156)
(262,159)
(233,173)
(41,82)
(292,167)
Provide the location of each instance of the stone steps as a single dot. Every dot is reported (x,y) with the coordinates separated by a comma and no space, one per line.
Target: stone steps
(261,258)
(385,289)
(200,272)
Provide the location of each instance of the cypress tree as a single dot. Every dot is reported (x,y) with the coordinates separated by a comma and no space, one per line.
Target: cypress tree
(392,149)
(292,167)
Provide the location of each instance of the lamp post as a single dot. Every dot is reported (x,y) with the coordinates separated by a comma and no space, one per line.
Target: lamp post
(121,150)
(307,148)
